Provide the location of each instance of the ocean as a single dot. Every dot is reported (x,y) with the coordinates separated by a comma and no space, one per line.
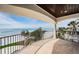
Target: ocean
(7,32)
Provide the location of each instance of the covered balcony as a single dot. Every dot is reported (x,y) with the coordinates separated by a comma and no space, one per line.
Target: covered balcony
(54,42)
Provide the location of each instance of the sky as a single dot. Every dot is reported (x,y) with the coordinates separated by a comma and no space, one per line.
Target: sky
(65,22)
(8,20)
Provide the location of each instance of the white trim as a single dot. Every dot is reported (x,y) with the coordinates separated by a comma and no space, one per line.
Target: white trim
(67,17)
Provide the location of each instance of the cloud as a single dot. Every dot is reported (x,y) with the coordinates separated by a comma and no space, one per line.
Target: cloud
(7,22)
(66,22)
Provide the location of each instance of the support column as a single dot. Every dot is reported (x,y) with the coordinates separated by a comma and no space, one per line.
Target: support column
(55,27)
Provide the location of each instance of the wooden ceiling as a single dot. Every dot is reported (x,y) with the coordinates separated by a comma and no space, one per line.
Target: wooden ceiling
(59,10)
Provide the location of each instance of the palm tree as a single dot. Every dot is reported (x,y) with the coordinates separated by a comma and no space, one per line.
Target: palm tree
(77,23)
(38,34)
(61,31)
(25,33)
(73,25)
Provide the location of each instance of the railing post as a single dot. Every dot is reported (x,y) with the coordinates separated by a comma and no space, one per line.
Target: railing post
(13,42)
(8,43)
(0,45)
(10,47)
(8,40)
(4,44)
(17,41)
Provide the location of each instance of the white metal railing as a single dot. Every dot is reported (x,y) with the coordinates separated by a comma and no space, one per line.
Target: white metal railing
(16,38)
(8,40)
(74,38)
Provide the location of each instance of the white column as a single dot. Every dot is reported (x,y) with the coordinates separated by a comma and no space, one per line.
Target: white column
(54,30)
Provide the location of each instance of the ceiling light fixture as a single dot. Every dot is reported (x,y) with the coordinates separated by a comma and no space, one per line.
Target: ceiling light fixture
(65,11)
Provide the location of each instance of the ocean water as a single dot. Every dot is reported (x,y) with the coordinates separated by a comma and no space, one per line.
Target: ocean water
(7,32)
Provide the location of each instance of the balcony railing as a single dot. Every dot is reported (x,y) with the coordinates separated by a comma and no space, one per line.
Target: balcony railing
(14,43)
(74,38)
(10,44)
